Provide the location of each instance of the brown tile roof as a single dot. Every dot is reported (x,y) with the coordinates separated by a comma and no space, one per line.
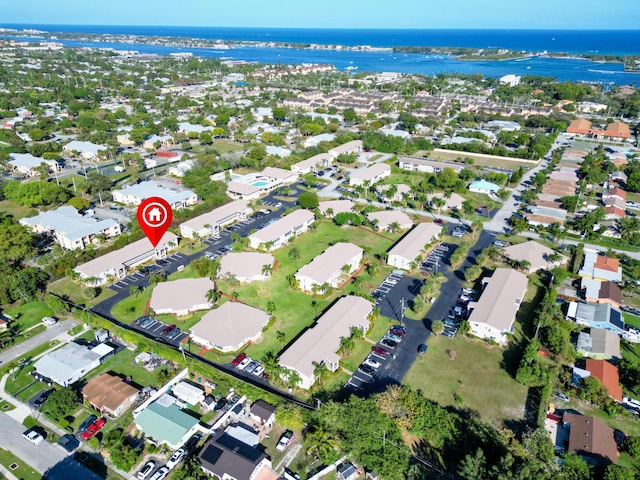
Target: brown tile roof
(262,409)
(618,129)
(580,125)
(611,291)
(607,263)
(591,437)
(108,391)
(608,376)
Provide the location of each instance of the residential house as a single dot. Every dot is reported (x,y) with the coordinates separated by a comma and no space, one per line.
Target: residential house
(187,128)
(263,413)
(329,267)
(188,392)
(116,264)
(30,166)
(212,222)
(393,193)
(313,164)
(136,193)
(334,207)
(279,151)
(154,141)
(87,150)
(278,233)
(71,362)
(493,314)
(280,174)
(590,437)
(316,140)
(405,254)
(347,471)
(110,394)
(482,186)
(597,315)
(181,297)
(354,146)
(319,343)
(372,174)
(164,423)
(536,255)
(247,267)
(227,458)
(608,375)
(70,229)
(595,291)
(386,218)
(452,201)
(599,343)
(229,327)
(600,267)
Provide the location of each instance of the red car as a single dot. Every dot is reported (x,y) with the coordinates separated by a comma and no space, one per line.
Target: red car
(438,220)
(379,350)
(238,359)
(93,428)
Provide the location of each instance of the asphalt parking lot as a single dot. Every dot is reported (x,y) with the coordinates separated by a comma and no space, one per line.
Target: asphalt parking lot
(395,289)
(438,259)
(155,328)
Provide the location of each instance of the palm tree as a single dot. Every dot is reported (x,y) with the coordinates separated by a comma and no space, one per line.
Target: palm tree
(269,245)
(357,283)
(281,337)
(316,306)
(319,443)
(267,270)
(294,253)
(346,345)
(293,379)
(213,296)
(372,268)
(134,290)
(324,288)
(235,295)
(271,365)
(235,237)
(232,281)
(271,307)
(12,367)
(293,283)
(438,203)
(345,269)
(320,371)
(356,333)
(329,212)
(394,227)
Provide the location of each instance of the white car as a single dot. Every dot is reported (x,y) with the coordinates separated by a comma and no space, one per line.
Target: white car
(284,441)
(243,364)
(146,470)
(49,321)
(160,474)
(176,458)
(371,362)
(33,436)
(258,371)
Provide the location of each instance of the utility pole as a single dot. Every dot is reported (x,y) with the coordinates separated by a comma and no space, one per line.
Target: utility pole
(401,310)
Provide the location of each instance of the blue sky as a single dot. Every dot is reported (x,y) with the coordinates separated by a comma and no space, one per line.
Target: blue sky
(514,14)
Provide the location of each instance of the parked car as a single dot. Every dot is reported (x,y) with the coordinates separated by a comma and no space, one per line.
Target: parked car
(561,396)
(168,329)
(368,369)
(33,436)
(258,371)
(371,362)
(42,398)
(387,342)
(146,470)
(93,429)
(49,321)
(378,350)
(398,331)
(220,404)
(243,364)
(68,442)
(161,474)
(176,458)
(438,220)
(422,348)
(285,440)
(87,421)
(252,366)
(393,337)
(238,359)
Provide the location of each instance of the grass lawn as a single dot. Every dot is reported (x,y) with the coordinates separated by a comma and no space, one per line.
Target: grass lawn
(475,374)
(480,159)
(631,319)
(28,315)
(67,288)
(225,146)
(123,364)
(6,406)
(23,471)
(22,379)
(9,207)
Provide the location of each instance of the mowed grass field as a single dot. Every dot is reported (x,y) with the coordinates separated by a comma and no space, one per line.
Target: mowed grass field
(471,369)
(480,159)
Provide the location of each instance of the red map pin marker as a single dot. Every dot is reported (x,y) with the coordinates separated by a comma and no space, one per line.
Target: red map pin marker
(154,217)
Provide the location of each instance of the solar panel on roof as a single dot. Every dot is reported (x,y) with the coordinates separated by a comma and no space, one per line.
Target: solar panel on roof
(616,319)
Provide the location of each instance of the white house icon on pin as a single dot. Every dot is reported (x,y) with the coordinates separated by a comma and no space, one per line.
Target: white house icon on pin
(155,215)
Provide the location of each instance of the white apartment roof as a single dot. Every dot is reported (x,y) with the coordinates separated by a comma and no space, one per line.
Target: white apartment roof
(323,137)
(431,163)
(311,162)
(412,243)
(280,151)
(241,188)
(338,206)
(190,127)
(287,223)
(344,148)
(183,294)
(322,268)
(67,222)
(369,173)
(387,217)
(321,342)
(533,252)
(500,300)
(152,189)
(84,147)
(244,264)
(231,324)
(217,216)
(119,258)
(279,173)
(63,363)
(27,160)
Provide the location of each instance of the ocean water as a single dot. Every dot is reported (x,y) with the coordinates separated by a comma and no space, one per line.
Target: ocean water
(620,42)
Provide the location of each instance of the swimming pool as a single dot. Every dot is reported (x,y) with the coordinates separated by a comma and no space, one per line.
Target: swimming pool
(261,183)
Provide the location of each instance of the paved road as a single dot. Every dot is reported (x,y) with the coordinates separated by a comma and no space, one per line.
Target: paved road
(17,352)
(40,457)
